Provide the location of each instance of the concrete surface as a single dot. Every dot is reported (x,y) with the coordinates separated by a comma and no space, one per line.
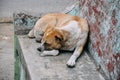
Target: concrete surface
(6,51)
(54,67)
(7,7)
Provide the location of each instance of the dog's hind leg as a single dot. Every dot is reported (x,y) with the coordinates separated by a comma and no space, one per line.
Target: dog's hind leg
(31,34)
(73,58)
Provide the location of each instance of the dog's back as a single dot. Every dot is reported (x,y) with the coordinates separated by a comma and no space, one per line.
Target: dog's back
(56,20)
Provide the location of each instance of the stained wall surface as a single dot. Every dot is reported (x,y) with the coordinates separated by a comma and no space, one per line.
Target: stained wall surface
(103,17)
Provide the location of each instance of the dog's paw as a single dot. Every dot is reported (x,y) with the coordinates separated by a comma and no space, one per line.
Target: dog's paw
(50,53)
(71,63)
(31,34)
(42,55)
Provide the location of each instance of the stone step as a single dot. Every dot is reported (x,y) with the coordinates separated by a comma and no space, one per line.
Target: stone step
(36,67)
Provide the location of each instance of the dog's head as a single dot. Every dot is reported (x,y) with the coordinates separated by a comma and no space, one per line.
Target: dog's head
(53,39)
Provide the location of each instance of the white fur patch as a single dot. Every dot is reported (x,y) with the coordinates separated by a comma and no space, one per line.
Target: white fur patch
(75,31)
(72,26)
(50,53)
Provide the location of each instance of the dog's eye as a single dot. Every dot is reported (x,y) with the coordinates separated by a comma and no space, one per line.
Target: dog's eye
(47,44)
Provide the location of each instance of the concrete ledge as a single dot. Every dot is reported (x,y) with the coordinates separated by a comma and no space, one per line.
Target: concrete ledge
(54,68)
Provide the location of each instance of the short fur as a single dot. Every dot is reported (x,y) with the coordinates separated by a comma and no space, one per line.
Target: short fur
(61,32)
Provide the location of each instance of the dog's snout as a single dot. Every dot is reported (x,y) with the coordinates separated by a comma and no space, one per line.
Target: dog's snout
(39,49)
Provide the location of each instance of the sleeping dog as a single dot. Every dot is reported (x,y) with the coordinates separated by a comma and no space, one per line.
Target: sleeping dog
(59,31)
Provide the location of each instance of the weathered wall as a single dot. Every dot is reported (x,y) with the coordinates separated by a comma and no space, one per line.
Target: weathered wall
(104,40)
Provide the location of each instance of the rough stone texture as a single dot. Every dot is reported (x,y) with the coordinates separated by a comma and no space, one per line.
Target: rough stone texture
(54,67)
(6,51)
(24,21)
(104,38)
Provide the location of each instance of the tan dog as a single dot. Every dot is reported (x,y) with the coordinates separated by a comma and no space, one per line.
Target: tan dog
(61,32)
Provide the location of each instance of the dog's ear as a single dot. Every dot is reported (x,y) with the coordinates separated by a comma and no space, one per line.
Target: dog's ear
(65,35)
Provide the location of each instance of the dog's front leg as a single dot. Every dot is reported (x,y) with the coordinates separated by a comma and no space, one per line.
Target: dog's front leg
(50,53)
(76,54)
